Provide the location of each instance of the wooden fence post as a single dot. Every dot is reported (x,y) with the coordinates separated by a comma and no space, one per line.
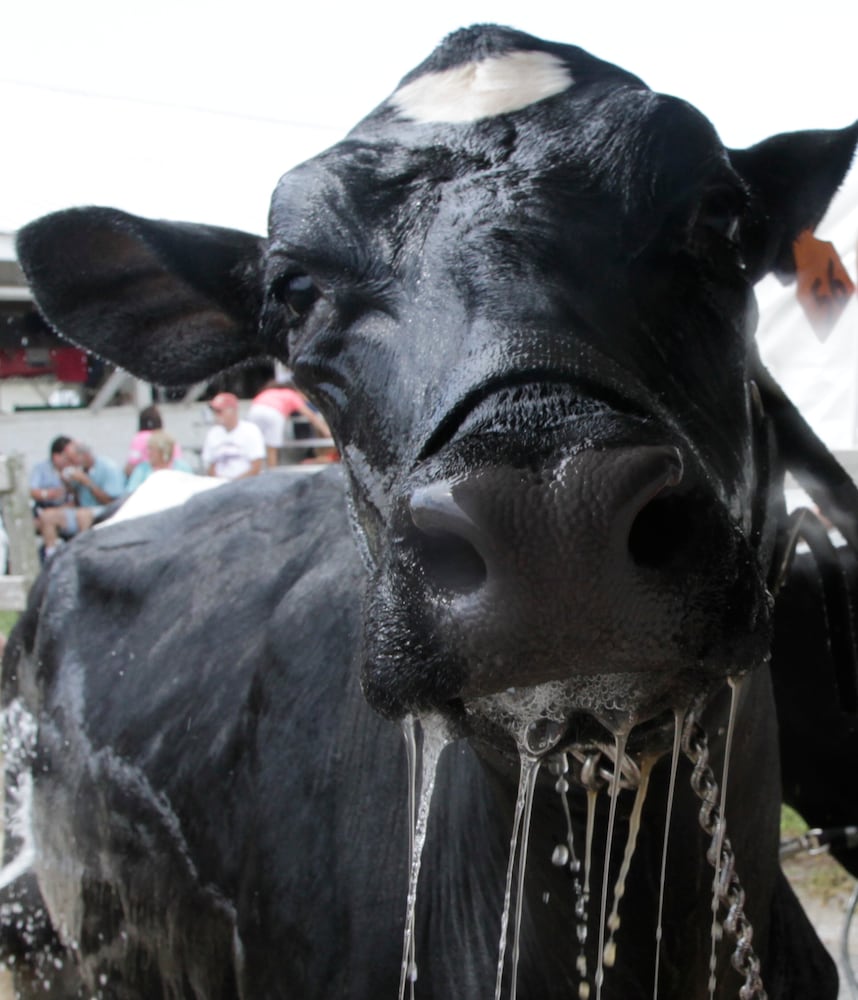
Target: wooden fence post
(18,522)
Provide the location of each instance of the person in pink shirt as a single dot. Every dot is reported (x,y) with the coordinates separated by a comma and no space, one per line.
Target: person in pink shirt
(271,411)
(148,421)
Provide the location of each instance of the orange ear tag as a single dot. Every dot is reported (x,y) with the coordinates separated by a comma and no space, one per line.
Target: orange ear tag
(824,286)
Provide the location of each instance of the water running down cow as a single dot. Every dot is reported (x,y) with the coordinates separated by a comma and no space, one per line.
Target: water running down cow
(521,291)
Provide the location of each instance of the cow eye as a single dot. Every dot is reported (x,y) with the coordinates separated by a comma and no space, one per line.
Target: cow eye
(296,293)
(719,213)
(726,225)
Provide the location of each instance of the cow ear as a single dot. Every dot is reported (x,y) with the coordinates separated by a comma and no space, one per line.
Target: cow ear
(171,302)
(791,179)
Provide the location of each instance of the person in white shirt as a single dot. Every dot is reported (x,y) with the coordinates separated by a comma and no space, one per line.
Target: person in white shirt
(233,448)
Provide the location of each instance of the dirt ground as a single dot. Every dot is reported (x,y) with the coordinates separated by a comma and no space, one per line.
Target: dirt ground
(824,889)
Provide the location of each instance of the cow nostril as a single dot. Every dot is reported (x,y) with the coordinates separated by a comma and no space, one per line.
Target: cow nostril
(663,531)
(449,558)
(451,564)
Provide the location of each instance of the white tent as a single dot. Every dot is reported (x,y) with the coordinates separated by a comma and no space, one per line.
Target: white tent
(821,377)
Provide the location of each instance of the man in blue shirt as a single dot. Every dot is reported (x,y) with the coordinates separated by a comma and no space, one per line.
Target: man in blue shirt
(47,488)
(97,481)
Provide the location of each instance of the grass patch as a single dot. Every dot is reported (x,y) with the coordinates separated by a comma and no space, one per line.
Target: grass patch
(817,875)
(792,825)
(7,620)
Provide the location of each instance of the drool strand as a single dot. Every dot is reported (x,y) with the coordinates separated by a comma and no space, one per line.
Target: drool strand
(621,739)
(609,953)
(716,932)
(527,779)
(409,959)
(582,906)
(678,726)
(435,738)
(565,854)
(530,772)
(731,895)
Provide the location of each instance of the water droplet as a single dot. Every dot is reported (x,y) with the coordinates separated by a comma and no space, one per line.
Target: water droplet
(542,734)
(559,764)
(560,856)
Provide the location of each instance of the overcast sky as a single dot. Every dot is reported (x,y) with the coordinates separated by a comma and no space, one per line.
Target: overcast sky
(190,109)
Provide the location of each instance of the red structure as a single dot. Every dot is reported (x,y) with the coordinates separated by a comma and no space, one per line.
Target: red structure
(66,364)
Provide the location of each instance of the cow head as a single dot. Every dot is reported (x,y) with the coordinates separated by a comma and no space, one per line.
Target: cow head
(521,292)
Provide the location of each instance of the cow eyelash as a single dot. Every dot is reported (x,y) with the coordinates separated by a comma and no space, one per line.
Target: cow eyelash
(296,292)
(724,225)
(720,212)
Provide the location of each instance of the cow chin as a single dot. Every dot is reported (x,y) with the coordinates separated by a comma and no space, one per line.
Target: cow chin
(584,716)
(574,714)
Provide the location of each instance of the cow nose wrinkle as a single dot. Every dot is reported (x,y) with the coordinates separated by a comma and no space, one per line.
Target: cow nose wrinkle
(445,542)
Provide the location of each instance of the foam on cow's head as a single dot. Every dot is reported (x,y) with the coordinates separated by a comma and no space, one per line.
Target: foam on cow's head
(521,292)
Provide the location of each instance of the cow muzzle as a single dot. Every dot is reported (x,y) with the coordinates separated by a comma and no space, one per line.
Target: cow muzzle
(609,561)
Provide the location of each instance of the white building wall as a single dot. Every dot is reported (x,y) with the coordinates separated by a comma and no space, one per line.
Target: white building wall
(821,378)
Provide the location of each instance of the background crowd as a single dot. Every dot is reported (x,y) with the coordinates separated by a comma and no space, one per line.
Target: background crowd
(73,488)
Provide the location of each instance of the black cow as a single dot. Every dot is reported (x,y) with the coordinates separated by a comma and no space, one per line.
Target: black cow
(521,291)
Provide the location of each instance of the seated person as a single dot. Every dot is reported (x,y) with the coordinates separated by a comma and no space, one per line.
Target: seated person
(233,448)
(148,421)
(97,481)
(161,454)
(47,487)
(271,410)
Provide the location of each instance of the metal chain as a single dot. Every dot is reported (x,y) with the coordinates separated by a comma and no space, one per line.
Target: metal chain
(729,889)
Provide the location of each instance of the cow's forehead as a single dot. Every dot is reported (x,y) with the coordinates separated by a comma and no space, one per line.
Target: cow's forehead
(494,90)
(483,88)
(622,149)
(482,72)
(493,110)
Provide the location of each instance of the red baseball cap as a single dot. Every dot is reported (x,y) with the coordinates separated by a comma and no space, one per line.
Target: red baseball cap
(224,401)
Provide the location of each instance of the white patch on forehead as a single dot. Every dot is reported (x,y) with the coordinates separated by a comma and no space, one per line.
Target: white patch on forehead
(483,89)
